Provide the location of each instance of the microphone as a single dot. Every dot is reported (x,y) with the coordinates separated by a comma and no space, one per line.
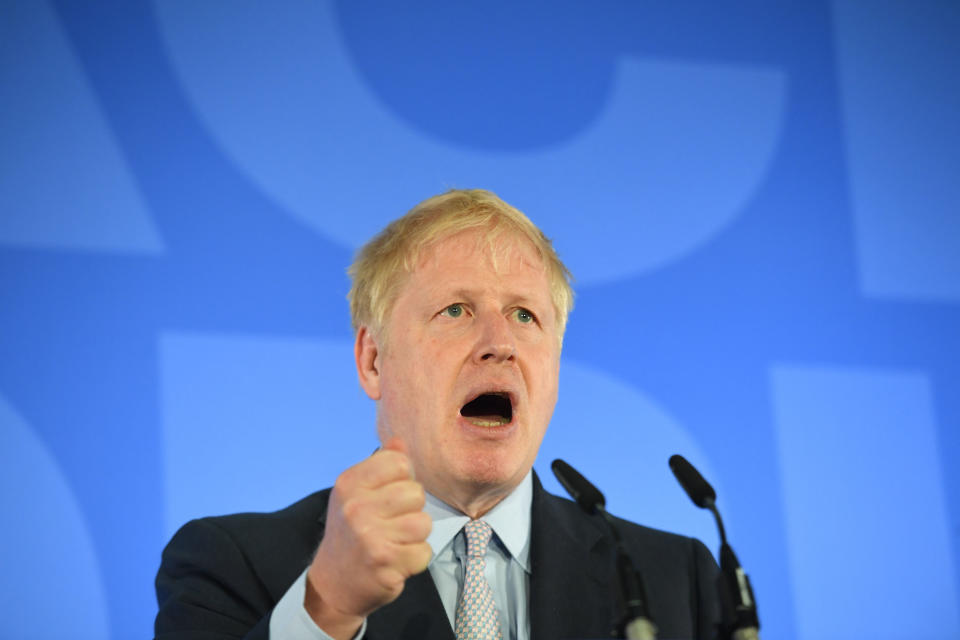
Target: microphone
(736,593)
(636,623)
(583,493)
(692,482)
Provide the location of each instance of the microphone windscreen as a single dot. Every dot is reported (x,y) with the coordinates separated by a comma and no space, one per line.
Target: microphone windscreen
(585,494)
(692,482)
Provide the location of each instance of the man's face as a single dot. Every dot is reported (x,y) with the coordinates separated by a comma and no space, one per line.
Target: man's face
(467,373)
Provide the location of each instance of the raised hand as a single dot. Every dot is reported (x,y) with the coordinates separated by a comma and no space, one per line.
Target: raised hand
(375,538)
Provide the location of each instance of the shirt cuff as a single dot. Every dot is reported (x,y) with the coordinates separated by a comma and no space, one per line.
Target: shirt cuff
(291,621)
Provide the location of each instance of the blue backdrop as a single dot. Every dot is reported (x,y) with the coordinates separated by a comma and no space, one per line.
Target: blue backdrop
(760,203)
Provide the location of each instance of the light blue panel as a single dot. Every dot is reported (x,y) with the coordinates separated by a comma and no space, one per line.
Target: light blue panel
(63,179)
(50,579)
(621,440)
(867,527)
(901,97)
(672,159)
(254,424)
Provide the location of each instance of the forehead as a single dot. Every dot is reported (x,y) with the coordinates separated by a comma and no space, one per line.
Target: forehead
(477,252)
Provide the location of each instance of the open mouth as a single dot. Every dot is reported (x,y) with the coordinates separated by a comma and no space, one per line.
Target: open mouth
(489,410)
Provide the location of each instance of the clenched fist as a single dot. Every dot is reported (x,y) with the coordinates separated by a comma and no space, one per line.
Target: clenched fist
(375,538)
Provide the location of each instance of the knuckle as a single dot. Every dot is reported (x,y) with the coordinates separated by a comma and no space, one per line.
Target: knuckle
(345,482)
(425,555)
(411,495)
(426,523)
(367,539)
(352,511)
(401,492)
(400,465)
(379,553)
(391,580)
(418,496)
(419,525)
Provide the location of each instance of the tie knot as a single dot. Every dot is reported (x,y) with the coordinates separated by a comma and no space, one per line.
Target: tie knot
(478,537)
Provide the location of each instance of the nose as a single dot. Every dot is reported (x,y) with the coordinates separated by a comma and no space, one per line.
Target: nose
(496,340)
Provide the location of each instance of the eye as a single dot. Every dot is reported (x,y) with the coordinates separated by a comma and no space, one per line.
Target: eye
(525,316)
(453,311)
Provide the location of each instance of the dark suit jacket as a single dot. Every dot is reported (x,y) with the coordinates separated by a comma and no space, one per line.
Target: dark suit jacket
(221,577)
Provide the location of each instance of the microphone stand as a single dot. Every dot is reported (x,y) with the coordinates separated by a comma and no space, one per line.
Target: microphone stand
(740,620)
(635,623)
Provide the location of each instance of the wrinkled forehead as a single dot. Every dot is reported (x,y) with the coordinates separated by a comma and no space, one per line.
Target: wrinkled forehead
(502,251)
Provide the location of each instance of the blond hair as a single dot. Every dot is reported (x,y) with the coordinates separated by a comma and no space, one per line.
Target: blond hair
(382,265)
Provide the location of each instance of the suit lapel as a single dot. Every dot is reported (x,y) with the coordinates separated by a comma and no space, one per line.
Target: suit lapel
(570,564)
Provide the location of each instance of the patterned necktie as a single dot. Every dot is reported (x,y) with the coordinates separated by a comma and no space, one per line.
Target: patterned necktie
(477,616)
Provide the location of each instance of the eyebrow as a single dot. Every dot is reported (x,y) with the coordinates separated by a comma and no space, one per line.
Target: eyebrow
(514,298)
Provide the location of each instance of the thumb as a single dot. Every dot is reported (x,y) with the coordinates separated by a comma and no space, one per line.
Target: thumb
(398,445)
(395,444)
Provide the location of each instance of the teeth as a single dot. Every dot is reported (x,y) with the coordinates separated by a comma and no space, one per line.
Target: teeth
(487,423)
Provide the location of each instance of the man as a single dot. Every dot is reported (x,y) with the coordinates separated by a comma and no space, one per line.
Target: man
(459,309)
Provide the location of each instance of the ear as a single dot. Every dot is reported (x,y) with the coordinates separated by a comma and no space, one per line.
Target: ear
(366,353)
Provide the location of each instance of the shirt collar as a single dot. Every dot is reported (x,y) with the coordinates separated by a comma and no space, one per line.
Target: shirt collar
(509,519)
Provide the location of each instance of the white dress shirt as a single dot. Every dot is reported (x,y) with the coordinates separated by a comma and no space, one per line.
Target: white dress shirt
(507,560)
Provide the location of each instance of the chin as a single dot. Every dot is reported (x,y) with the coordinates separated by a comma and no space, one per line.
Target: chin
(491,471)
